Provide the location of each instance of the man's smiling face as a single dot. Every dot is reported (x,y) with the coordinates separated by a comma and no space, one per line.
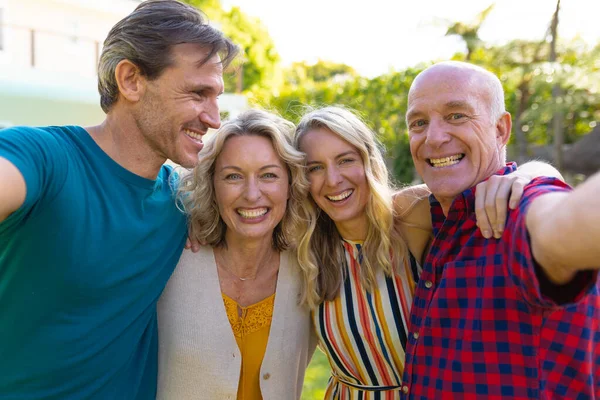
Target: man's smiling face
(455,140)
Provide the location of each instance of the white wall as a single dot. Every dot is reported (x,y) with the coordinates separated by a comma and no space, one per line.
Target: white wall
(60,88)
(68,33)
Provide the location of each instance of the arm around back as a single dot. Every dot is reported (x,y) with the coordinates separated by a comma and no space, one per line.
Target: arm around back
(12,188)
(565,231)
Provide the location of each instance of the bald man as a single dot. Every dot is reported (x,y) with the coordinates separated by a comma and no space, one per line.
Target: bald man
(511,318)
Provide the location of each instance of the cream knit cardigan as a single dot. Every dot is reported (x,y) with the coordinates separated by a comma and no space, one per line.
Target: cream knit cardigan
(198,355)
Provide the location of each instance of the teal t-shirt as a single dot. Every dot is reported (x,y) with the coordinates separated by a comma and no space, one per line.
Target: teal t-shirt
(82,265)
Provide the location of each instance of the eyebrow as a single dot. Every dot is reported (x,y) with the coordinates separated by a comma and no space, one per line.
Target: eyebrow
(260,169)
(206,88)
(344,154)
(413,114)
(458,104)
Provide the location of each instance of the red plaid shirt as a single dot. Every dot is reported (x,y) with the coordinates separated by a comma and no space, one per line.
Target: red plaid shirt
(480,327)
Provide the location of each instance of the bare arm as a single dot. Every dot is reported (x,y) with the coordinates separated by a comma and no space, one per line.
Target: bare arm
(413,218)
(539,168)
(12,189)
(565,231)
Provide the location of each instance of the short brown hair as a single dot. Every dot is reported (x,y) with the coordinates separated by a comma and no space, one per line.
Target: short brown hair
(146,36)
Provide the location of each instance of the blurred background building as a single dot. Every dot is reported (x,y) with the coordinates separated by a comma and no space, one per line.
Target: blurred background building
(49,51)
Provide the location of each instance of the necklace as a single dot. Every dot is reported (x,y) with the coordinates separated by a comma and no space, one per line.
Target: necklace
(249,278)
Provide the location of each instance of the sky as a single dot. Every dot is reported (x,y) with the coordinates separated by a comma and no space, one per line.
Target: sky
(374,36)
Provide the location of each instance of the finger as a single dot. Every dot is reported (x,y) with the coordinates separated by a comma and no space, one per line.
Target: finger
(502,207)
(490,203)
(195,246)
(188,244)
(516,193)
(482,220)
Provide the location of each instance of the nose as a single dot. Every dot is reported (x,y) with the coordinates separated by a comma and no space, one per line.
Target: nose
(210,115)
(333,176)
(437,134)
(252,192)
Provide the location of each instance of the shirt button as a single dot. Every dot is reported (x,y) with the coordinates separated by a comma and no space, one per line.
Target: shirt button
(416,335)
(405,389)
(266,376)
(428,284)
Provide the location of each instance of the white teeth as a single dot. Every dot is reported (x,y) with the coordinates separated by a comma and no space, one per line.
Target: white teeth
(445,161)
(341,196)
(252,213)
(192,134)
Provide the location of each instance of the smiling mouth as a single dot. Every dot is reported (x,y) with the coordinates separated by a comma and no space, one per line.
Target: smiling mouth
(445,161)
(253,213)
(194,135)
(342,196)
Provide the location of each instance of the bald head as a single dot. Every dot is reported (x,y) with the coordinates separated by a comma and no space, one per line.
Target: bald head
(449,72)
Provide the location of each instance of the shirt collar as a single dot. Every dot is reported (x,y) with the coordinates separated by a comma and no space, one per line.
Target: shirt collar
(464,202)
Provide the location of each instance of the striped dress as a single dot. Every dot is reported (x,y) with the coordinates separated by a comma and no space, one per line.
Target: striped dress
(364,334)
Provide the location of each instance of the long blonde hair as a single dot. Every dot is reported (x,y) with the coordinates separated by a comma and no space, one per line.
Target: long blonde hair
(320,253)
(196,194)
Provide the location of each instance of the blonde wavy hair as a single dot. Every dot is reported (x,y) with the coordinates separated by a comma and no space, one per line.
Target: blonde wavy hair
(320,253)
(196,194)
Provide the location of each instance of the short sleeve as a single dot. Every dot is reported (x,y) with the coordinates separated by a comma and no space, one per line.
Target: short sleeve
(39,154)
(517,244)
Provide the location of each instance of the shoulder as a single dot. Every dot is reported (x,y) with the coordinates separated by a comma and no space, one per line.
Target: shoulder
(49,134)
(173,174)
(288,263)
(539,187)
(199,259)
(49,145)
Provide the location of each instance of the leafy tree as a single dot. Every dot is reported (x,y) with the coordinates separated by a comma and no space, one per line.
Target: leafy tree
(380,101)
(301,73)
(469,31)
(256,73)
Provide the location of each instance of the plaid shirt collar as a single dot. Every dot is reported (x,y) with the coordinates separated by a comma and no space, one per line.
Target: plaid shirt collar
(464,203)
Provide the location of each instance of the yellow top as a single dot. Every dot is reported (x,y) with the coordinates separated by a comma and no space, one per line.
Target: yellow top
(250,327)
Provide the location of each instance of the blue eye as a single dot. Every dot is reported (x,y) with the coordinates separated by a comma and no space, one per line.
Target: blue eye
(233,177)
(418,123)
(269,175)
(314,168)
(457,116)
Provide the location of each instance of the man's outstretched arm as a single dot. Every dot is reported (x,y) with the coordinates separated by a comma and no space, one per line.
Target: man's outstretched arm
(12,189)
(565,230)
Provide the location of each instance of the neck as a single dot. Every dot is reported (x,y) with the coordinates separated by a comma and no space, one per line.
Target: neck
(355,229)
(445,203)
(245,258)
(120,138)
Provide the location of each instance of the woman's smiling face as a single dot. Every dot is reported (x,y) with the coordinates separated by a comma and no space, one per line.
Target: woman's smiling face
(338,183)
(251,187)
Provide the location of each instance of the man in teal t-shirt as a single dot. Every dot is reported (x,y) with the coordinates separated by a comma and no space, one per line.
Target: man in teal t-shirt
(89,227)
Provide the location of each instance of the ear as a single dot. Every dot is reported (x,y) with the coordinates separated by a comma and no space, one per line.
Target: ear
(503,128)
(130,81)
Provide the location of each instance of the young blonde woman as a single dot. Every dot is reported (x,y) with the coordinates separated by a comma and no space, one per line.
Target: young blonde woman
(359,254)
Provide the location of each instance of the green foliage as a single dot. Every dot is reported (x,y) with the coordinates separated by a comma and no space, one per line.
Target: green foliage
(380,101)
(316,377)
(469,31)
(527,76)
(301,73)
(256,72)
(260,69)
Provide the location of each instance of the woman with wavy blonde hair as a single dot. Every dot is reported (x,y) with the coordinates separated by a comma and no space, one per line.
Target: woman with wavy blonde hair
(358,255)
(230,320)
